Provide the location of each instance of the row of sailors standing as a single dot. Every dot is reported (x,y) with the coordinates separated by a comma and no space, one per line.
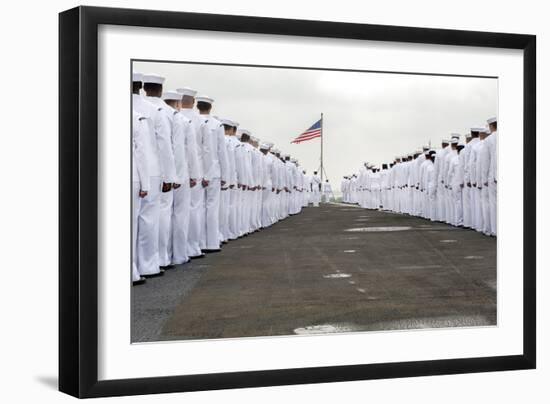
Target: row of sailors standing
(197,181)
(456,184)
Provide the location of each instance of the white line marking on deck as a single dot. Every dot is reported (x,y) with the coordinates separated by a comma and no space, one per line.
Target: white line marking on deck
(337,275)
(361,290)
(473,257)
(324,329)
(379,229)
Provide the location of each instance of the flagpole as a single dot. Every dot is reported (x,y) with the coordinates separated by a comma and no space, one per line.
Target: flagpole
(321,150)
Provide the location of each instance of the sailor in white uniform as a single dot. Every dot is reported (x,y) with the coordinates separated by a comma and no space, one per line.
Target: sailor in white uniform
(195,234)
(483,168)
(215,171)
(245,157)
(439,175)
(492,180)
(187,173)
(268,185)
(475,194)
(467,188)
(316,189)
(231,228)
(146,252)
(430,187)
(161,174)
(327,191)
(152,84)
(140,181)
(451,180)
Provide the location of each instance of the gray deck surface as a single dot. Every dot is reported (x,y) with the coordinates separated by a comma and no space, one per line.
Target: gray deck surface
(310,274)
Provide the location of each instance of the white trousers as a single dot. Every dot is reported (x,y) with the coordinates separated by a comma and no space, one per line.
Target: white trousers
(485,211)
(212,216)
(195,234)
(432,205)
(135,213)
(440,202)
(466,206)
(476,207)
(258,210)
(148,230)
(266,207)
(242,210)
(180,223)
(224,214)
(493,206)
(232,218)
(316,198)
(165,228)
(458,219)
(450,206)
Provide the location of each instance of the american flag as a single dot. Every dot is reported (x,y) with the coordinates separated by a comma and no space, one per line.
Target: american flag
(313,132)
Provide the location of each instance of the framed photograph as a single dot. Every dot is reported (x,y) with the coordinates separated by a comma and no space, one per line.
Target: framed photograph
(251,202)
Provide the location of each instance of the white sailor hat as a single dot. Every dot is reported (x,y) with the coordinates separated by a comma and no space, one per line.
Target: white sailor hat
(293,160)
(418,152)
(445,141)
(137,76)
(204,98)
(468,135)
(397,157)
(286,156)
(491,120)
(227,122)
(187,91)
(235,124)
(265,146)
(276,151)
(171,95)
(254,139)
(152,78)
(425,147)
(477,129)
(454,140)
(485,130)
(245,132)
(455,135)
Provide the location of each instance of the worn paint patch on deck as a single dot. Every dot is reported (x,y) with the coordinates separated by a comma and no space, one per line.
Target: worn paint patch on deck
(473,257)
(447,241)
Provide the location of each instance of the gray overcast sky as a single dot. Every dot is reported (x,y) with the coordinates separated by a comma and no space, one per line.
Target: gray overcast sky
(367,116)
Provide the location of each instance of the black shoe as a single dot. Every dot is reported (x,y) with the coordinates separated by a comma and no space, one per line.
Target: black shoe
(141,281)
(208,251)
(161,273)
(167,267)
(198,256)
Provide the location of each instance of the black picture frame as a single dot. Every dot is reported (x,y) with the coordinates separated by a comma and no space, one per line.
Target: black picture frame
(78,201)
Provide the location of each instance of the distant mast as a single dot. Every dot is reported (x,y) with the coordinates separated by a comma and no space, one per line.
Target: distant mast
(321,148)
